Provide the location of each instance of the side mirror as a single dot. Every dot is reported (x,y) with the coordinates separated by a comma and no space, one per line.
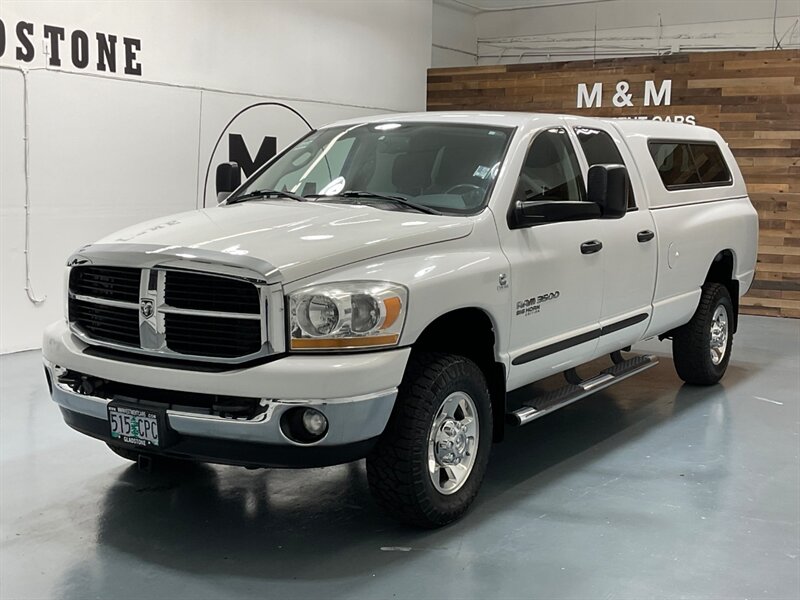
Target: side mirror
(526,213)
(229,177)
(608,187)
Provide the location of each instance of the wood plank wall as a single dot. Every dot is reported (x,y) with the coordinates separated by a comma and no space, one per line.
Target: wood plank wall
(751,98)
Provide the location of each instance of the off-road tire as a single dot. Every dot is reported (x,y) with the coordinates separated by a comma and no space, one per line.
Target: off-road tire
(397,468)
(691,343)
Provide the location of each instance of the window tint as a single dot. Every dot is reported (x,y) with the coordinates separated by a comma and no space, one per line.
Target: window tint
(674,163)
(600,149)
(687,164)
(711,166)
(551,170)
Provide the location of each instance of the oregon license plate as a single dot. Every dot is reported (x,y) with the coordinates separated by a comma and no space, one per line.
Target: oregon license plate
(134,426)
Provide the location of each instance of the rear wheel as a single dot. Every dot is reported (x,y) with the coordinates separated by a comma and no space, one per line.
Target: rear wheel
(430,461)
(702,348)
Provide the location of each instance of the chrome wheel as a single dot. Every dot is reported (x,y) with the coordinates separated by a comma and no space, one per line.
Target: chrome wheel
(719,335)
(453,443)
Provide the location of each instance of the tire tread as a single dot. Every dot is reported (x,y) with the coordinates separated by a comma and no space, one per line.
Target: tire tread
(689,343)
(396,468)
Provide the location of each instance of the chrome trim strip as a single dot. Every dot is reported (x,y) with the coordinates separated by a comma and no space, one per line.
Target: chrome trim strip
(104,301)
(208,313)
(151,328)
(166,352)
(163,308)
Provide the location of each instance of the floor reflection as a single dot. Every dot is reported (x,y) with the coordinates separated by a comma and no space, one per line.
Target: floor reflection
(321,523)
(647,489)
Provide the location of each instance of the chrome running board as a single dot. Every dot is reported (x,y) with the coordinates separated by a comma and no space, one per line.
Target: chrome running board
(547,403)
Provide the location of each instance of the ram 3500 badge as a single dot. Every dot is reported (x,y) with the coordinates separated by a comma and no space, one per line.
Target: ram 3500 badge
(533,304)
(378,288)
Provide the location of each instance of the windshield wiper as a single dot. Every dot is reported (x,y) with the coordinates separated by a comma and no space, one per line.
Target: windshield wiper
(266,194)
(389,197)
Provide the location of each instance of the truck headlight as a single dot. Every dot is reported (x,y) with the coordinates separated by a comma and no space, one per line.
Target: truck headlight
(341,316)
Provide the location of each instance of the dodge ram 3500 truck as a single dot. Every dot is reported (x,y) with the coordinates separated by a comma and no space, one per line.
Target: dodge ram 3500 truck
(378,288)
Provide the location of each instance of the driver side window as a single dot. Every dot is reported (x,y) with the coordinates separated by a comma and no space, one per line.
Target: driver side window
(551,170)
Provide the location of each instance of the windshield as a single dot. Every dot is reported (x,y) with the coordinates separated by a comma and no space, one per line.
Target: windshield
(449,168)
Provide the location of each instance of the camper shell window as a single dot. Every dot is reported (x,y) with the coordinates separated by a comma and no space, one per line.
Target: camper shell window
(687,165)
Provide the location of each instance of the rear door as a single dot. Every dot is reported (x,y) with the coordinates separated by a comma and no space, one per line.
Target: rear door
(629,246)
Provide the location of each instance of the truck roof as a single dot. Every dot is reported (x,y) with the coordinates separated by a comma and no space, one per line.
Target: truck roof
(627,127)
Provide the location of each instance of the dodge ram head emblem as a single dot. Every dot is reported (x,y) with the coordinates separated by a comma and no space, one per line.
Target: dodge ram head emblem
(147,307)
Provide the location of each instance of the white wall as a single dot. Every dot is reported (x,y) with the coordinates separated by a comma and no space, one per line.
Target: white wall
(107,150)
(559,30)
(631,27)
(455,40)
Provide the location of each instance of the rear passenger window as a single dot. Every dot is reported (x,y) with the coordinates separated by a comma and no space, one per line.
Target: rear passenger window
(683,165)
(600,149)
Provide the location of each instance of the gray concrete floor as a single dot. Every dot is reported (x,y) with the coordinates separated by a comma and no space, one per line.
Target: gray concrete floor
(649,490)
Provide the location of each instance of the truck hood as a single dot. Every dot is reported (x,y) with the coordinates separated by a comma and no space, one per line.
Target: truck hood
(299,238)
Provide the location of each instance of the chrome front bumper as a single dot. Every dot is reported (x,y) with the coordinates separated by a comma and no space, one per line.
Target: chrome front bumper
(350,419)
(353,420)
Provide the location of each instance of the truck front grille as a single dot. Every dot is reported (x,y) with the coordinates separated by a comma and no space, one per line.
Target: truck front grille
(205,292)
(108,283)
(106,323)
(169,312)
(211,336)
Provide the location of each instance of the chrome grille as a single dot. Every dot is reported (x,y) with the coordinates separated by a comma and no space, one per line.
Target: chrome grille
(106,323)
(110,283)
(170,312)
(184,289)
(210,336)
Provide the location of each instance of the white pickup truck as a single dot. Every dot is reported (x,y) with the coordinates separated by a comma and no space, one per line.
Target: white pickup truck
(378,288)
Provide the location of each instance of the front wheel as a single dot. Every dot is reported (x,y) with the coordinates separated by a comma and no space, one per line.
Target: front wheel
(430,461)
(702,348)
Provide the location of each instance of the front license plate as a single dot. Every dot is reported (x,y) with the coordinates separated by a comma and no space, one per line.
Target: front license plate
(134,426)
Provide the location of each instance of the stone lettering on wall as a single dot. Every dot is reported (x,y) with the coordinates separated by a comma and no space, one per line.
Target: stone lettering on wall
(95,51)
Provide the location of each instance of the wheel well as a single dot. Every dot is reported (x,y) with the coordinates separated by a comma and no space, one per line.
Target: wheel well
(469,332)
(721,271)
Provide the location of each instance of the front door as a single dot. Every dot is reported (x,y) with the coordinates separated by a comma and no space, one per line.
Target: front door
(556,271)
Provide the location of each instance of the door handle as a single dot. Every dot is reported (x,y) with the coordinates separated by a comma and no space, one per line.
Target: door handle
(591,247)
(645,236)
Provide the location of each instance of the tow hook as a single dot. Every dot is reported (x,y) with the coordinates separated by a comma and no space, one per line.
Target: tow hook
(145,463)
